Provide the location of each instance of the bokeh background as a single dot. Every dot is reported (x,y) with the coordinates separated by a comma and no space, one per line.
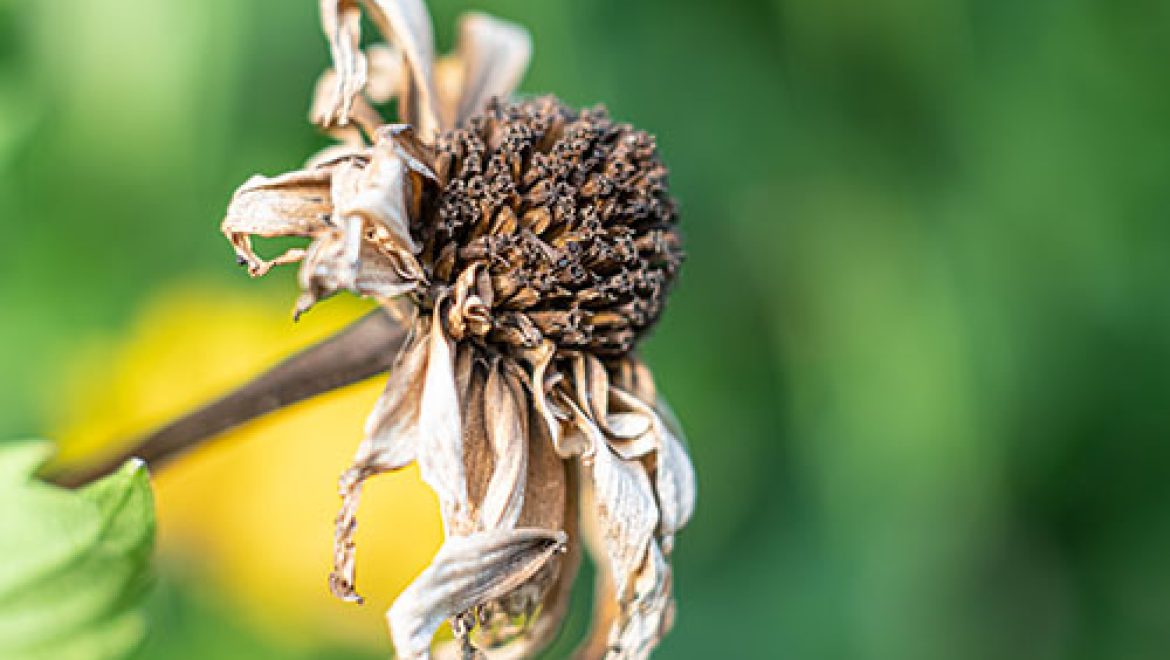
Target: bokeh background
(921,346)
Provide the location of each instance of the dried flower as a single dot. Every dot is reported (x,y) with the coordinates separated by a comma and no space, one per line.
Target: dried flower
(533,246)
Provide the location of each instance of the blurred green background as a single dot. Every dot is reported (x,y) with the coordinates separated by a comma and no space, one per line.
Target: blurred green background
(922,342)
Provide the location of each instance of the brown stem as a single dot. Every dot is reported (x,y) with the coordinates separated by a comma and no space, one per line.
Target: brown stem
(364,349)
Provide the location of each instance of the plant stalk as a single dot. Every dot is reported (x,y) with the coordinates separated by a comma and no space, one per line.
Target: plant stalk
(364,349)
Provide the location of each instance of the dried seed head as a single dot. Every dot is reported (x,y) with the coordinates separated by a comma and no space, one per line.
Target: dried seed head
(565,220)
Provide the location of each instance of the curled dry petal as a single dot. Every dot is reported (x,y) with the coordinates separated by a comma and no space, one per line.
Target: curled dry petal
(643,622)
(467,571)
(341,22)
(362,114)
(494,55)
(293,204)
(627,513)
(407,25)
(505,415)
(377,193)
(331,263)
(674,475)
(390,444)
(568,444)
(439,439)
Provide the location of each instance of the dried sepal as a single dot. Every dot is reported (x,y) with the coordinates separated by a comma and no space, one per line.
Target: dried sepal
(468,571)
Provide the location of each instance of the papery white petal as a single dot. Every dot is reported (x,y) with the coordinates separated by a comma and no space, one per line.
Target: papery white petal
(494,54)
(647,617)
(407,25)
(675,478)
(467,571)
(440,438)
(628,425)
(504,412)
(627,512)
(341,23)
(292,204)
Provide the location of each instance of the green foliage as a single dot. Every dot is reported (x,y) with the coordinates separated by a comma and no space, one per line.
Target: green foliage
(73,564)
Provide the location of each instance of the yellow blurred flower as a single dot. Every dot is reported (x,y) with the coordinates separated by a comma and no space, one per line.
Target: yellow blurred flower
(253,511)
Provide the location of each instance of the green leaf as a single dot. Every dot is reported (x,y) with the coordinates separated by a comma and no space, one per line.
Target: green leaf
(73,564)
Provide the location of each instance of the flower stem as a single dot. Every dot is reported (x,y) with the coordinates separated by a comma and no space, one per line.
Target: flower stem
(366,348)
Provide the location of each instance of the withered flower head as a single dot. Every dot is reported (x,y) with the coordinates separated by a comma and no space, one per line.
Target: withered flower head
(534,245)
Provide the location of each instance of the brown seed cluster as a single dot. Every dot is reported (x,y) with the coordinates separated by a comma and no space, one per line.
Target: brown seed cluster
(569,214)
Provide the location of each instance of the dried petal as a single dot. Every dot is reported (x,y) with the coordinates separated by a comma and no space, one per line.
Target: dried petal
(627,512)
(494,54)
(341,22)
(390,444)
(551,502)
(407,25)
(675,482)
(648,616)
(674,476)
(324,106)
(292,204)
(440,441)
(505,415)
(331,263)
(467,571)
(387,74)
(567,445)
(377,192)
